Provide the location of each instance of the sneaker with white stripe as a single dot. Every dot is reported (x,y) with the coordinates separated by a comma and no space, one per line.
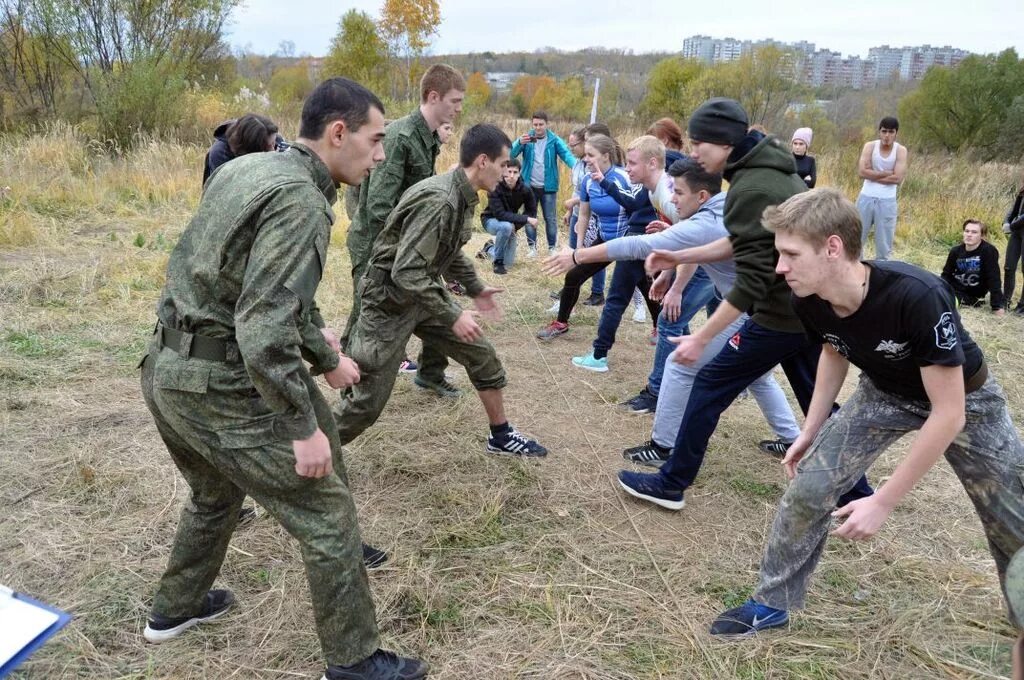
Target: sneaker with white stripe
(515,443)
(649,453)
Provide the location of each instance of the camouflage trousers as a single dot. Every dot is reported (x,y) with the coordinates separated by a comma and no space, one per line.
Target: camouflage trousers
(987,457)
(224,449)
(378,345)
(431,363)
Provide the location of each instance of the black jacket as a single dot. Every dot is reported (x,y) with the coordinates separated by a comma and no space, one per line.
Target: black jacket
(806,167)
(503,204)
(219,153)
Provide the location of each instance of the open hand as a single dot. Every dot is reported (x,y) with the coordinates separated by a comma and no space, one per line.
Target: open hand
(487,305)
(559,263)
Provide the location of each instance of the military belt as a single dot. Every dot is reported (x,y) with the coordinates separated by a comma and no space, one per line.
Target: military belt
(975,382)
(193,345)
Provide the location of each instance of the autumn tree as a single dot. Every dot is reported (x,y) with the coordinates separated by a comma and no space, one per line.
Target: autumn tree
(407,26)
(358,51)
(478,92)
(666,88)
(290,84)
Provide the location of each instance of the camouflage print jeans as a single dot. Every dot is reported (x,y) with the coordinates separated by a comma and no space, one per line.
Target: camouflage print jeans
(987,456)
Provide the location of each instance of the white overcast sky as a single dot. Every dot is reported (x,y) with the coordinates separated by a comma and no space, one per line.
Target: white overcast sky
(849,26)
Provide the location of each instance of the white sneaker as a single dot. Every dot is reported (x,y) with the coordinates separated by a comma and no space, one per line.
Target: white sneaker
(640,313)
(532,252)
(553,309)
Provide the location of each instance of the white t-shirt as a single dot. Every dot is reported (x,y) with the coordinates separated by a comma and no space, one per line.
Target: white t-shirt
(661,198)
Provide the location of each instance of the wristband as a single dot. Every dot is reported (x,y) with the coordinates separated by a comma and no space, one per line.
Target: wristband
(574,257)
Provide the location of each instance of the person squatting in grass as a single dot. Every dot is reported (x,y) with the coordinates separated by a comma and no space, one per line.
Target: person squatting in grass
(972,269)
(920,372)
(233,402)
(761,173)
(502,218)
(610,221)
(402,294)
(411,145)
(698,202)
(252,133)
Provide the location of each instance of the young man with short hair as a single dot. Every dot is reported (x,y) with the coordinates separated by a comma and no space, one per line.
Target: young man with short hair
(761,173)
(402,294)
(502,217)
(542,149)
(411,145)
(972,269)
(920,372)
(232,399)
(883,166)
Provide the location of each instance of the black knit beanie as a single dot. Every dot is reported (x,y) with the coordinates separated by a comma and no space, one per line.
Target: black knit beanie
(719,121)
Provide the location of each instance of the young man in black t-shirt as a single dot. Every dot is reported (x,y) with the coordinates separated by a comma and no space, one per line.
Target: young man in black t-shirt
(972,269)
(920,371)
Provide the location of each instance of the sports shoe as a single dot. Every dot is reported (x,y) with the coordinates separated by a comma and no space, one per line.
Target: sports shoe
(653,340)
(499,268)
(747,619)
(380,665)
(441,389)
(651,488)
(553,330)
(649,453)
(645,402)
(595,300)
(246,516)
(373,557)
(532,252)
(485,252)
(591,363)
(160,628)
(553,309)
(515,443)
(639,314)
(408,366)
(774,447)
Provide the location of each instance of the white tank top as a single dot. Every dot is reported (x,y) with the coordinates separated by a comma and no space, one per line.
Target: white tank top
(881,163)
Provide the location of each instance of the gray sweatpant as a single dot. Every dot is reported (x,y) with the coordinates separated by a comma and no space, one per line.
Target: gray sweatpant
(987,456)
(880,213)
(678,381)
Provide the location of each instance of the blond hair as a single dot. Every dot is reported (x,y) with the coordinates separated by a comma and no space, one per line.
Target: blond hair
(815,216)
(649,147)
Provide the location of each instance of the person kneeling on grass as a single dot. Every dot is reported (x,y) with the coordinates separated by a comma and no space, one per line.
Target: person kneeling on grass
(972,270)
(920,370)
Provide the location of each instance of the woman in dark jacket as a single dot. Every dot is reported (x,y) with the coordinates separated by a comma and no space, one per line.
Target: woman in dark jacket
(805,165)
(1013,226)
(252,133)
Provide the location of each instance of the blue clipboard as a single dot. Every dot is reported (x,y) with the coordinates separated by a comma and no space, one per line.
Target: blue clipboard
(63,618)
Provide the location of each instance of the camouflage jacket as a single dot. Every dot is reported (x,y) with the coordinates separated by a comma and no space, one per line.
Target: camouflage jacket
(246,269)
(422,241)
(410,150)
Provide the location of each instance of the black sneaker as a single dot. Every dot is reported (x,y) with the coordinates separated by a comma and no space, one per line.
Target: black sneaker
(246,516)
(380,665)
(441,389)
(650,453)
(774,447)
(161,628)
(515,443)
(595,300)
(645,402)
(499,268)
(373,557)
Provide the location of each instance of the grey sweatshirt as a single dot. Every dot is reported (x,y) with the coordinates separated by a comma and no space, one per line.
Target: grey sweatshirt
(703,227)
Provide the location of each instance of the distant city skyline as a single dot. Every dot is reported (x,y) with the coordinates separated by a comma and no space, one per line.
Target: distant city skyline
(473,26)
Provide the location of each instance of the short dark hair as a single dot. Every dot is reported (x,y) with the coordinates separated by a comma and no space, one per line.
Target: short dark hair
(513,163)
(337,99)
(597,129)
(695,176)
(482,138)
(889,123)
(249,134)
(543,115)
(981,225)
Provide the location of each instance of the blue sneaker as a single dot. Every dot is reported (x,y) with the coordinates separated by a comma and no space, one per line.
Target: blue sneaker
(748,619)
(591,363)
(651,487)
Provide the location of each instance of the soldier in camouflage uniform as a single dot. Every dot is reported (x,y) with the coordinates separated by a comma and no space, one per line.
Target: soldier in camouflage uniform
(402,293)
(411,146)
(234,403)
(920,372)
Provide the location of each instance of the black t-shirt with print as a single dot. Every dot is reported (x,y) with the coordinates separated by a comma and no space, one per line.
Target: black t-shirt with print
(908,320)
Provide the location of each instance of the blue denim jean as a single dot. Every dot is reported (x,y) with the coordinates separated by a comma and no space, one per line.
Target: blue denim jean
(597,281)
(627,277)
(548,204)
(504,234)
(752,352)
(699,292)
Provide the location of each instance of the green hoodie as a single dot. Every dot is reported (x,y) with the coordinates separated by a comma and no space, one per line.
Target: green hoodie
(763,176)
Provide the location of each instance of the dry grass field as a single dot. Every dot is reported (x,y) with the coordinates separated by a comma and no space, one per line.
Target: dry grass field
(499,568)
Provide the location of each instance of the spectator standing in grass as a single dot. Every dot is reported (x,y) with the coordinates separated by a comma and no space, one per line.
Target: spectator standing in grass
(972,269)
(883,166)
(805,165)
(572,205)
(1013,227)
(670,134)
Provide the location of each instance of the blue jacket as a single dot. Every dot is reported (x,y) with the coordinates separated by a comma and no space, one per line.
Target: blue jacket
(553,150)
